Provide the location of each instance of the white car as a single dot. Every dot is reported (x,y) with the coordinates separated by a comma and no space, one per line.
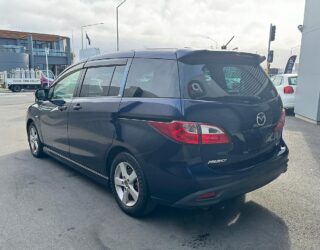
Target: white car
(286,87)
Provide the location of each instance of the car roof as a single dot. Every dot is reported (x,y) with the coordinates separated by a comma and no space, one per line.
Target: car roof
(164,53)
(160,53)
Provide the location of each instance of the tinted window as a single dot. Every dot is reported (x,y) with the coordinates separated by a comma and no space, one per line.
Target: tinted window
(116,81)
(152,78)
(96,81)
(209,77)
(64,89)
(292,80)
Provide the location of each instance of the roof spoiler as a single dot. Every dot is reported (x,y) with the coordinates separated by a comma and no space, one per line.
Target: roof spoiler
(262,59)
(196,56)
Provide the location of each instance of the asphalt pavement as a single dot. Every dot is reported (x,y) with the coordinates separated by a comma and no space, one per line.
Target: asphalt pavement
(46,205)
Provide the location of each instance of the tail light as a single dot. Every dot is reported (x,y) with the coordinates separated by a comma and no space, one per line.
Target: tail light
(191,132)
(288,90)
(212,135)
(281,121)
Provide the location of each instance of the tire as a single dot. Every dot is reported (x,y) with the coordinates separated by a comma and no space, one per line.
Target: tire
(36,146)
(16,88)
(289,111)
(129,186)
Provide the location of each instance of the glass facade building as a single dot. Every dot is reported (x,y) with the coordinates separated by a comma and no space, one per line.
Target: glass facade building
(27,50)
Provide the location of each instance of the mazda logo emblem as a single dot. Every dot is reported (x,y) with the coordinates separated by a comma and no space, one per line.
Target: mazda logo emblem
(261,119)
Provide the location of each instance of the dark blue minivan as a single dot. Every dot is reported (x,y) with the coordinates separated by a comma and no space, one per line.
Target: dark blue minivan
(185,128)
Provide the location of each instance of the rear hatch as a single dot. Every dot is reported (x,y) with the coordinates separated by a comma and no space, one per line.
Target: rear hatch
(231,91)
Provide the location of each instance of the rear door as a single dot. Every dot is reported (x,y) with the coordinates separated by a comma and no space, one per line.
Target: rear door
(231,91)
(151,93)
(93,113)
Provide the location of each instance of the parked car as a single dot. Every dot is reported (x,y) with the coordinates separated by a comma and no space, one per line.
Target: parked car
(286,87)
(184,128)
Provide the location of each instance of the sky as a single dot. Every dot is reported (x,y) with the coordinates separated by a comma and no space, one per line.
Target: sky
(164,23)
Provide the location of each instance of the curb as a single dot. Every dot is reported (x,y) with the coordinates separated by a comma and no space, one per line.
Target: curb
(2,90)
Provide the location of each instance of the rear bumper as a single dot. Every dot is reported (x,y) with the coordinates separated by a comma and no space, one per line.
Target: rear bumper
(288,101)
(232,185)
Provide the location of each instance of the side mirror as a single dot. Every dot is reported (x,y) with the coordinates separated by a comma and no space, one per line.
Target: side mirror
(41,94)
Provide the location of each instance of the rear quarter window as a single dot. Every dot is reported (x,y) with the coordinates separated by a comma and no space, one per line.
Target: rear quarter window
(292,80)
(153,78)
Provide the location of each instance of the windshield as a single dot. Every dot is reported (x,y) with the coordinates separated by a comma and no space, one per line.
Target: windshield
(225,79)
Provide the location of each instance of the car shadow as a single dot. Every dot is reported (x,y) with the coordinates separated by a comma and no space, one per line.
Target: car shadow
(233,224)
(290,112)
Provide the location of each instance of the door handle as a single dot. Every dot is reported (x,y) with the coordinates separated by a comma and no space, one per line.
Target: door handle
(61,108)
(77,106)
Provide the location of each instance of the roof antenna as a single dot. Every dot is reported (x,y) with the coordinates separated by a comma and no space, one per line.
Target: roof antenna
(225,46)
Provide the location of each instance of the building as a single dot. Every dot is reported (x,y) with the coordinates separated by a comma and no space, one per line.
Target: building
(27,50)
(307,103)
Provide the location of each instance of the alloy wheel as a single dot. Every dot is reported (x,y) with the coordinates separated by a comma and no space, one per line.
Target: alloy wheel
(34,140)
(126,184)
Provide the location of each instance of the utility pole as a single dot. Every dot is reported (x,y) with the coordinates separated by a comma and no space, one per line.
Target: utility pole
(81,37)
(117,14)
(272,36)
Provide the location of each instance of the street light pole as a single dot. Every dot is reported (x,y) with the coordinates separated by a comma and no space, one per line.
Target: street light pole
(81,37)
(47,66)
(212,40)
(117,10)
(208,37)
(83,26)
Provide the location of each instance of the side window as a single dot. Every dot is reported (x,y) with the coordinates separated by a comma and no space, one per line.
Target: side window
(64,89)
(277,80)
(292,80)
(96,82)
(116,81)
(152,78)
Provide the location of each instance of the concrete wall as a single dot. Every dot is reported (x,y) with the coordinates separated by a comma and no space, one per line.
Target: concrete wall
(11,60)
(307,103)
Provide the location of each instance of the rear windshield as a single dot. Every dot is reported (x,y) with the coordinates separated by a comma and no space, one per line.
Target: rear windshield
(224,78)
(292,80)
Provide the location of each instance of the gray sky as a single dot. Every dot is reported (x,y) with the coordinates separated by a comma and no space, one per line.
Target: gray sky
(164,23)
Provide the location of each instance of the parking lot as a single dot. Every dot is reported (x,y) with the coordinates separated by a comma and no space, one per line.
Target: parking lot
(46,205)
